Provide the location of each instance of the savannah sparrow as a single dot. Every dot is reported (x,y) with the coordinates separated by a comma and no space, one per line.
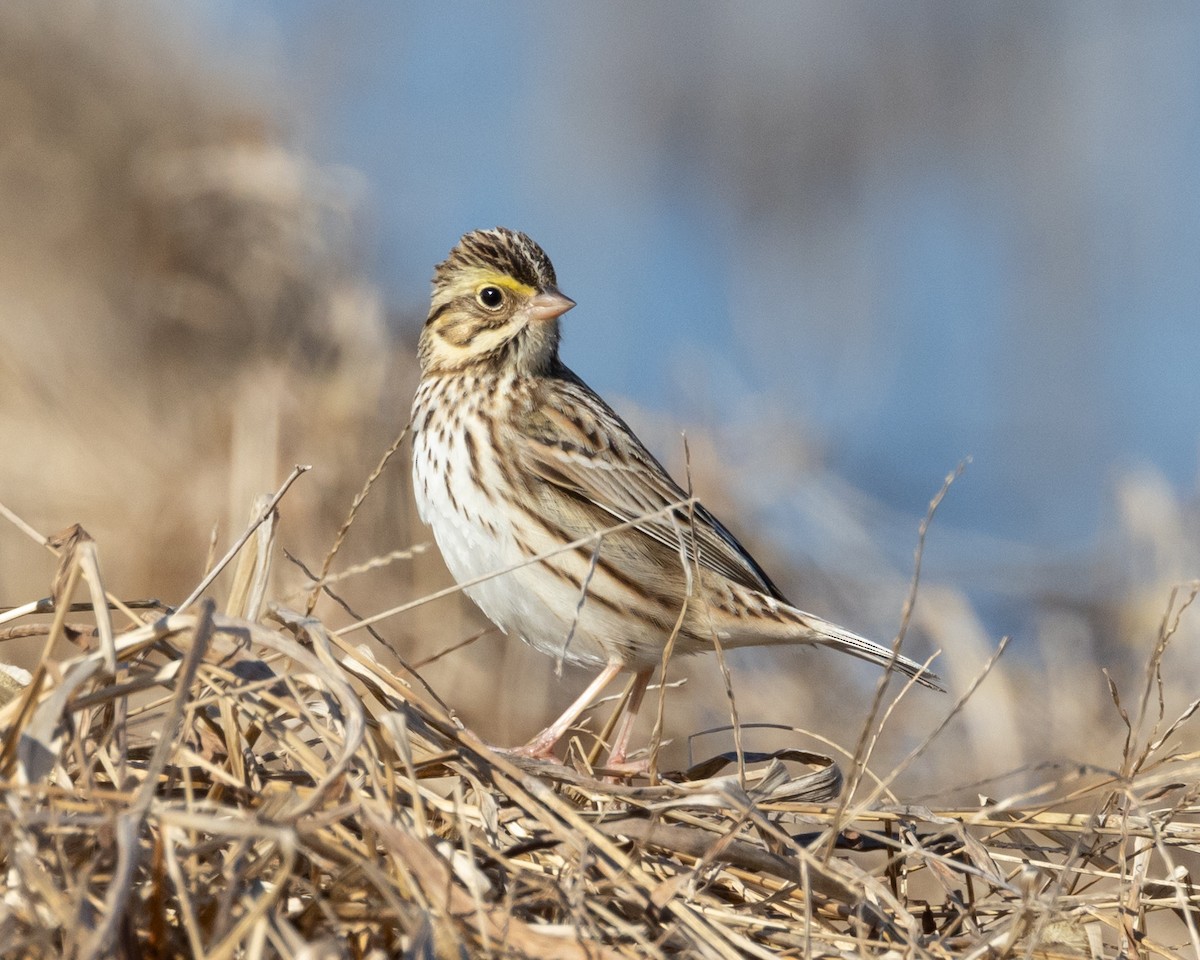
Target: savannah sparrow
(515,457)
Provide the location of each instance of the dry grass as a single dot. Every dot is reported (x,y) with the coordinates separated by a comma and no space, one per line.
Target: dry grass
(182,315)
(244,781)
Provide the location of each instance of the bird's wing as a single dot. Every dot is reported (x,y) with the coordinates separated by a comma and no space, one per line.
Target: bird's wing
(576,443)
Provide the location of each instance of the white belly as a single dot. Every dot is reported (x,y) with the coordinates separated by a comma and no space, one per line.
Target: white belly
(476,537)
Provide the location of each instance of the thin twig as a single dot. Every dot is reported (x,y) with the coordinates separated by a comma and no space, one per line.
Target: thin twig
(344,529)
(861,751)
(263,514)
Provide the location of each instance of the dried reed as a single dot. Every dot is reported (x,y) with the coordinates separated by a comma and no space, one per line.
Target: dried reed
(246,781)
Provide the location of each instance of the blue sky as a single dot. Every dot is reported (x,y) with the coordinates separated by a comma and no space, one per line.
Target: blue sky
(960,229)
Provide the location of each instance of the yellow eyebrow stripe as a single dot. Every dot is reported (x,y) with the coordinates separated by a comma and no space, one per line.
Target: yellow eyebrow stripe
(475,278)
(515,285)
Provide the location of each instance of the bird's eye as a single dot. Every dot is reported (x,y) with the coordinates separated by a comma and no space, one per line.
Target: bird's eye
(490,297)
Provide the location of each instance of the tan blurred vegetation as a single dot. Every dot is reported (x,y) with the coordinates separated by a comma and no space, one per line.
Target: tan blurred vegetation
(184,315)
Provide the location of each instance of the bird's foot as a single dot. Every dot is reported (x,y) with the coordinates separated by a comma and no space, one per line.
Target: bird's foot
(539,748)
(621,768)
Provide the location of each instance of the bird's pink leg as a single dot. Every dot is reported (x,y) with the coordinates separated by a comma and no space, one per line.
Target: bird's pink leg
(543,744)
(616,757)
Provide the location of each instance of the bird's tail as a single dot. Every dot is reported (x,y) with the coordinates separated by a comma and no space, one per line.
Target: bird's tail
(775,622)
(831,635)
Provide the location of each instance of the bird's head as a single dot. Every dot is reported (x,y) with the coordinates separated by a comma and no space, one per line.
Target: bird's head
(495,307)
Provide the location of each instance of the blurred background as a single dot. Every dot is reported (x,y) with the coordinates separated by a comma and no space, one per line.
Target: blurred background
(842,246)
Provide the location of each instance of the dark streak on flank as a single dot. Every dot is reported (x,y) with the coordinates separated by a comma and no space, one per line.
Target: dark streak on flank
(618,576)
(593,596)
(596,597)
(506,473)
(473,457)
(563,574)
(586,550)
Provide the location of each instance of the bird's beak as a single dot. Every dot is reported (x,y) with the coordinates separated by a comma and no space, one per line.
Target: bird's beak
(548,304)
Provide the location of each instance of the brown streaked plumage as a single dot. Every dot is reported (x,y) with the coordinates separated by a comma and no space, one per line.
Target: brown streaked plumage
(515,457)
